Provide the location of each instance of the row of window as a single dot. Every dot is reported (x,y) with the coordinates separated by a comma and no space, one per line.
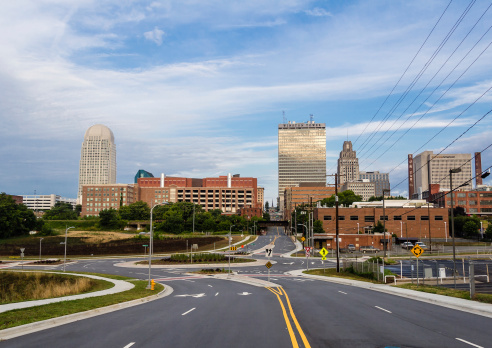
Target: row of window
(371,218)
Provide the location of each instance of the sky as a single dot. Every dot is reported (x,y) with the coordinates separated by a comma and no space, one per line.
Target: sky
(197,88)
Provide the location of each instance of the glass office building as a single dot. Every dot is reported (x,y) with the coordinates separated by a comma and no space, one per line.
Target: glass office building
(301,155)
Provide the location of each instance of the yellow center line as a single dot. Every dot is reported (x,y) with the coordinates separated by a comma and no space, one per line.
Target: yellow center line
(304,339)
(287,321)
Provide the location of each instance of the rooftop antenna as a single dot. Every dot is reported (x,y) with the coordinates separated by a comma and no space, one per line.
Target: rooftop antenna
(311,118)
(283,115)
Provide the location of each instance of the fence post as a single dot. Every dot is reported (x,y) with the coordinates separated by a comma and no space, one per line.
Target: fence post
(377,267)
(437,274)
(471,276)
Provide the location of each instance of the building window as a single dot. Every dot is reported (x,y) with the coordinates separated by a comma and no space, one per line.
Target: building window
(411,217)
(397,217)
(424,218)
(486,210)
(327,217)
(472,202)
(463,202)
(472,195)
(369,218)
(485,202)
(354,218)
(383,217)
(438,217)
(461,195)
(341,217)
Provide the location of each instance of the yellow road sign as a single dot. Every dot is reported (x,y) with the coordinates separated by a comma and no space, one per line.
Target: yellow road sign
(417,250)
(303,239)
(233,248)
(323,252)
(268,264)
(323,258)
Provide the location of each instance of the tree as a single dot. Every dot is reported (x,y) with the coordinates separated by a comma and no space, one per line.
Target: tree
(488,231)
(380,198)
(267,206)
(135,211)
(61,211)
(318,226)
(78,209)
(109,218)
(379,227)
(345,198)
(15,219)
(266,216)
(470,229)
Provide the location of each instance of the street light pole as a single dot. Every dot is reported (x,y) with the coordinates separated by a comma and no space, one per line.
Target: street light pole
(401,229)
(384,224)
(230,231)
(65,257)
(445,231)
(40,239)
(151,241)
(451,171)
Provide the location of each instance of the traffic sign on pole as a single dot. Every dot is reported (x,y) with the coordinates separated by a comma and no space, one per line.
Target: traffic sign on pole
(268,265)
(417,250)
(268,252)
(323,252)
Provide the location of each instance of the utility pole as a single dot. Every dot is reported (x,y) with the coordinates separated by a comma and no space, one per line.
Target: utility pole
(336,223)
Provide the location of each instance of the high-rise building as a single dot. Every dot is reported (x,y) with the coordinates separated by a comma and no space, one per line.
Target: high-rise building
(98,158)
(380,180)
(301,155)
(348,164)
(427,166)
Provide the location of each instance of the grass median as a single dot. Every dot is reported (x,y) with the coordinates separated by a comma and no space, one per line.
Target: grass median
(440,290)
(18,317)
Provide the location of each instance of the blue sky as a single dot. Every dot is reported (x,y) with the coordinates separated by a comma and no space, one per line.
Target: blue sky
(197,88)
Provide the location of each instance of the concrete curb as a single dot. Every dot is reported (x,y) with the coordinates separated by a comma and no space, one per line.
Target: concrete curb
(50,323)
(469,306)
(298,247)
(131,264)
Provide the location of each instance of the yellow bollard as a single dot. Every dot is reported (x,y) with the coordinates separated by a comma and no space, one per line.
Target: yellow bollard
(152,283)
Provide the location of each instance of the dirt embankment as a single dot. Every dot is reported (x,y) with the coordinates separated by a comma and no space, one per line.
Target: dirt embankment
(51,246)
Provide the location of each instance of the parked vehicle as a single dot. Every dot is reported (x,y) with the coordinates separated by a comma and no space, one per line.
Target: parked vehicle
(351,247)
(422,245)
(407,245)
(368,249)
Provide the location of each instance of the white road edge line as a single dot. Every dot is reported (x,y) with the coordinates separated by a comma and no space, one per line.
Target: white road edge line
(216,294)
(342,292)
(189,311)
(129,345)
(210,286)
(471,344)
(383,309)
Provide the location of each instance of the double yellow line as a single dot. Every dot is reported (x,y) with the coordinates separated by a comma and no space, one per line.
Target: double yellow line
(280,293)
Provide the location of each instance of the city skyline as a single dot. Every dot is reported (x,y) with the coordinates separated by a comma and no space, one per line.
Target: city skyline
(198,89)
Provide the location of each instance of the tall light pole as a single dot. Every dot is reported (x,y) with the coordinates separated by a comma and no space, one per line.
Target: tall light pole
(451,172)
(358,228)
(40,239)
(151,241)
(384,224)
(65,257)
(230,231)
(401,229)
(445,231)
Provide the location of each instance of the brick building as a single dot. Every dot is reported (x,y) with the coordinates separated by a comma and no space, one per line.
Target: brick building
(106,196)
(475,202)
(304,194)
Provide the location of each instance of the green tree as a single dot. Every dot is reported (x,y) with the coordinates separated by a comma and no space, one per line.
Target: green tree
(379,227)
(318,226)
(266,216)
(267,206)
(15,219)
(61,211)
(470,229)
(78,209)
(380,198)
(135,211)
(109,218)
(488,231)
(345,198)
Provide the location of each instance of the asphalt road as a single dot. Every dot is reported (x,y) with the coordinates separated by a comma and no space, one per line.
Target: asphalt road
(206,312)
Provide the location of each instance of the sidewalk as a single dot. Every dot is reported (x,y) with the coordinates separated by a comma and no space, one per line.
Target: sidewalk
(483,309)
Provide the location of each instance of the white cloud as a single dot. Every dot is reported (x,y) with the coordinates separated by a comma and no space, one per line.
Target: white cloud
(155,36)
(318,12)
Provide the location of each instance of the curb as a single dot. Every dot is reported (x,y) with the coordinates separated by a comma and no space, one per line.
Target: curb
(54,322)
(469,306)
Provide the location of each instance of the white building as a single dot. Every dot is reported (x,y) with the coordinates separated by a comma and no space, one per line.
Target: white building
(363,188)
(98,158)
(380,180)
(45,202)
(348,164)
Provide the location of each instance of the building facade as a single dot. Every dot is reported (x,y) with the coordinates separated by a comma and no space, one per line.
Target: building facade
(380,180)
(301,155)
(142,174)
(429,169)
(98,158)
(348,164)
(45,202)
(261,197)
(110,196)
(304,195)
(475,202)
(363,188)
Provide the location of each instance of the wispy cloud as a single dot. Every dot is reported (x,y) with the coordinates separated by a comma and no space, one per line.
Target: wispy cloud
(155,35)
(318,12)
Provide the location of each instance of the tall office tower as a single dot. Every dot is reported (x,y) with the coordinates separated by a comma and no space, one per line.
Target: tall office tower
(380,180)
(98,158)
(427,166)
(301,155)
(348,164)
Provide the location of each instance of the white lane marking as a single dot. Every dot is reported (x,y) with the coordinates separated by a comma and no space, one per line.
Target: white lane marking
(216,294)
(244,293)
(210,286)
(191,295)
(189,311)
(191,281)
(382,309)
(129,345)
(471,344)
(342,292)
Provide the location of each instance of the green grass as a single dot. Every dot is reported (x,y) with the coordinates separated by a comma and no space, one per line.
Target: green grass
(485,298)
(29,315)
(332,272)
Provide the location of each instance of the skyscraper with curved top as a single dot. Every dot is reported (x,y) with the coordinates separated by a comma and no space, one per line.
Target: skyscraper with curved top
(98,158)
